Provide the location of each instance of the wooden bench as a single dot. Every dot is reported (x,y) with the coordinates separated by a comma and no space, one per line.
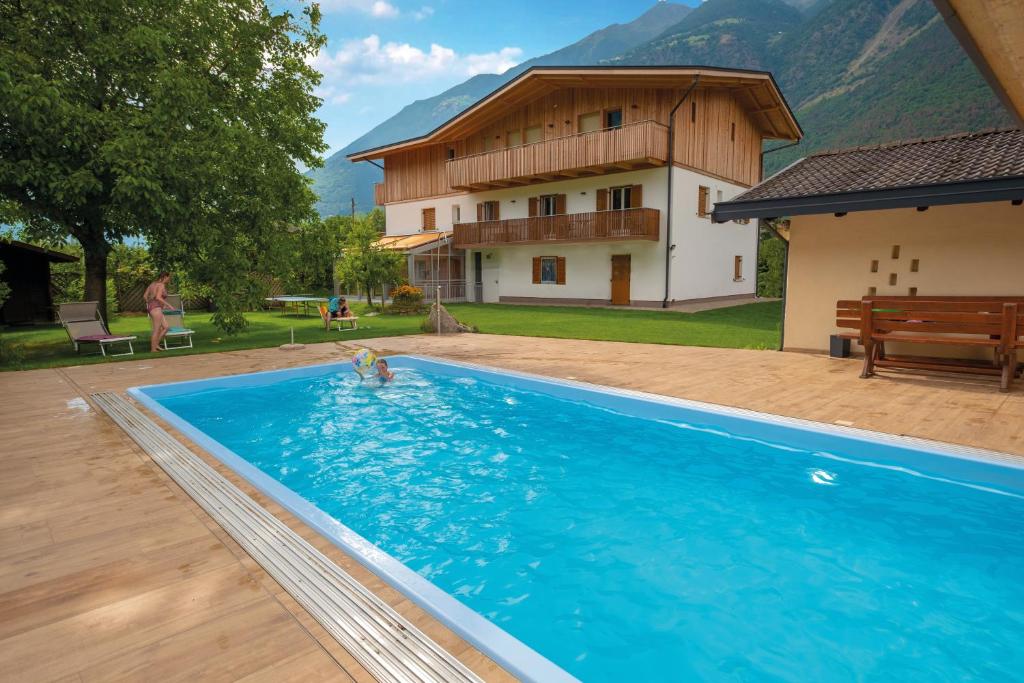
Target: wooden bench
(993,323)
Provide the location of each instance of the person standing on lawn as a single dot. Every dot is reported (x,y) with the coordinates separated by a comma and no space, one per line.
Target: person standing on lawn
(156,302)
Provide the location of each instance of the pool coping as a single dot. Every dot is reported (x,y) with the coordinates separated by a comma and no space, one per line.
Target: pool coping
(512,654)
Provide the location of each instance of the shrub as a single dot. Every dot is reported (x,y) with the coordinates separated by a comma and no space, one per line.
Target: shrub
(406,299)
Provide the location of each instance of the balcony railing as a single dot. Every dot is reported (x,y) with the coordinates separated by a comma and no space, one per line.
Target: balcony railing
(597,226)
(451,290)
(637,145)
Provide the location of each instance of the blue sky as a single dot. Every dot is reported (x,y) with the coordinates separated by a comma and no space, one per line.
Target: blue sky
(384,54)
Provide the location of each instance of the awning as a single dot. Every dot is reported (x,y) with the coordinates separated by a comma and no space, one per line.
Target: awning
(414,244)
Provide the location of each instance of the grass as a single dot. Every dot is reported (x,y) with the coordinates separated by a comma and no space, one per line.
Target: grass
(748,326)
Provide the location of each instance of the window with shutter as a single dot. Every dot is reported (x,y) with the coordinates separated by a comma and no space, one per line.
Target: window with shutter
(546,270)
(479,211)
(429,219)
(636,196)
(536,269)
(703,197)
(533,201)
(560,270)
(588,123)
(621,197)
(548,205)
(491,210)
(560,204)
(532,134)
(737,268)
(602,200)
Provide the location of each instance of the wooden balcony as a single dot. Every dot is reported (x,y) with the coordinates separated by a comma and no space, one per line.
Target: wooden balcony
(597,226)
(637,145)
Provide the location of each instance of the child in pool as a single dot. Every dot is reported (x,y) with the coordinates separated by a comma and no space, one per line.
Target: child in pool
(383,373)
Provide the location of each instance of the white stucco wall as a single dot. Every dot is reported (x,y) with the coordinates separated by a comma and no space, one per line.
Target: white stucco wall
(702,263)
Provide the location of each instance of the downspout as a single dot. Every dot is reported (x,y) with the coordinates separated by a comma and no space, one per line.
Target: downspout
(671,166)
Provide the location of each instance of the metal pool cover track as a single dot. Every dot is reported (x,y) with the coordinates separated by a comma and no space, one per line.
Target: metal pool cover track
(387,645)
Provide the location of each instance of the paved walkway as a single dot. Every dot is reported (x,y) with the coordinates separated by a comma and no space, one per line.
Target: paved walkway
(108,570)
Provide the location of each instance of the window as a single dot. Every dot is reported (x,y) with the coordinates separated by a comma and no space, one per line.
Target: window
(548,270)
(895,251)
(490,142)
(590,122)
(737,268)
(893,279)
(915,265)
(514,138)
(456,214)
(613,118)
(548,205)
(621,197)
(490,211)
(429,219)
(703,197)
(732,133)
(532,134)
(718,196)
(451,152)
(874,265)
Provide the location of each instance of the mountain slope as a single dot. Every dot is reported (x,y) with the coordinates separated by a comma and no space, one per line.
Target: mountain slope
(339,179)
(737,33)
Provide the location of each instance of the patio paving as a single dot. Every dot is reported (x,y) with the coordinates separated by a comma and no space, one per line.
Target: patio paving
(108,570)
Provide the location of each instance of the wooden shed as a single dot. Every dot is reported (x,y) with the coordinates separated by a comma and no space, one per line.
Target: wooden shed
(28,275)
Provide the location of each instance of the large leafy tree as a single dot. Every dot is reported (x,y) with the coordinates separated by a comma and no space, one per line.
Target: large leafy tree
(364,262)
(180,121)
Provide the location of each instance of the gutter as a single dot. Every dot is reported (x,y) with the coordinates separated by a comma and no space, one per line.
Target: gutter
(671,166)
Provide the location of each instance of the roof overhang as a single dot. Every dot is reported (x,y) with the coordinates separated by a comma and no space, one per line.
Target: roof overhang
(417,243)
(49,254)
(991,32)
(762,98)
(969,192)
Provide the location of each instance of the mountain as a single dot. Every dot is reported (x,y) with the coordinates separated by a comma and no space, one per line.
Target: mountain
(339,179)
(855,72)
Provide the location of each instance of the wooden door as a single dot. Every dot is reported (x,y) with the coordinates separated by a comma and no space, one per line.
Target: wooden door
(620,279)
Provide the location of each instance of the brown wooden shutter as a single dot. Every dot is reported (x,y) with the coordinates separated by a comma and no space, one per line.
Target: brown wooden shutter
(702,200)
(429,219)
(536,270)
(479,212)
(533,206)
(636,196)
(602,200)
(560,204)
(560,270)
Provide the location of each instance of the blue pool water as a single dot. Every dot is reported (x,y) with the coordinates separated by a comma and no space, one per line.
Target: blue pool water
(625,548)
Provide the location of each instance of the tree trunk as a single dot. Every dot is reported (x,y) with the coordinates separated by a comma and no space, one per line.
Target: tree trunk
(369,294)
(96,272)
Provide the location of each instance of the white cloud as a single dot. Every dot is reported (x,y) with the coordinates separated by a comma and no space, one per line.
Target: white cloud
(369,61)
(422,13)
(376,8)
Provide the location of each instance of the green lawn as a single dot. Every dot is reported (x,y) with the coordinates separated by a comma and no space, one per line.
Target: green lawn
(751,326)
(748,326)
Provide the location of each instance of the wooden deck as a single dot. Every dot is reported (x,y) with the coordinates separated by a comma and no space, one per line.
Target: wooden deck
(108,571)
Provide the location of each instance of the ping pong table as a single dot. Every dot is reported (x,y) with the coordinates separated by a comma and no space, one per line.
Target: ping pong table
(295,300)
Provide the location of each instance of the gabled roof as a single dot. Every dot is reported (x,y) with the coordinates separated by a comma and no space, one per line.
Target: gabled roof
(954,169)
(757,89)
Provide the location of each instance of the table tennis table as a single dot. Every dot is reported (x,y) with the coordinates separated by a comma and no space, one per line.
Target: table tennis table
(295,300)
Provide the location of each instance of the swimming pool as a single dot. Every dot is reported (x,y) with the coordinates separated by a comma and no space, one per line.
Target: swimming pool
(623,536)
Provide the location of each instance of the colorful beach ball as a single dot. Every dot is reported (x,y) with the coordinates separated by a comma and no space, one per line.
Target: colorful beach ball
(364,361)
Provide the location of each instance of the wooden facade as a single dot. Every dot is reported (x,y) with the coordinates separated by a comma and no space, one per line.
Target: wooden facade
(595,226)
(715,134)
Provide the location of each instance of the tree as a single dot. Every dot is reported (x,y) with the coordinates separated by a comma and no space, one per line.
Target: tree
(771,265)
(181,121)
(366,263)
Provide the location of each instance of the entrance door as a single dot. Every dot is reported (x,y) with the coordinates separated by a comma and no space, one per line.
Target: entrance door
(620,279)
(491,270)
(478,276)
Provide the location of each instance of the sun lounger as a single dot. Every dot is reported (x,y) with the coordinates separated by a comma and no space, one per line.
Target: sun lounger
(325,315)
(84,325)
(178,332)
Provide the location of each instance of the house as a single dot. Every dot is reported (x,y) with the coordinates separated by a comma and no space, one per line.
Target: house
(28,275)
(939,217)
(589,185)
